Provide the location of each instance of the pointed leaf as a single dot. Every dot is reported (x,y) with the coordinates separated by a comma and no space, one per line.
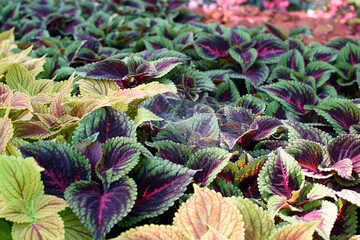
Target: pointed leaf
(281,175)
(165,65)
(293,95)
(325,54)
(346,147)
(172,151)
(145,115)
(309,155)
(238,115)
(321,71)
(212,46)
(299,231)
(346,222)
(208,208)
(258,224)
(100,210)
(160,183)
(269,48)
(300,31)
(210,161)
(107,70)
(239,37)
(340,113)
(293,60)
(227,92)
(63,165)
(255,75)
(51,227)
(349,54)
(245,59)
(20,179)
(119,156)
(266,127)
(97,87)
(107,122)
(298,130)
(278,32)
(74,229)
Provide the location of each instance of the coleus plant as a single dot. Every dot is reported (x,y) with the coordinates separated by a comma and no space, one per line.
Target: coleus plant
(92,173)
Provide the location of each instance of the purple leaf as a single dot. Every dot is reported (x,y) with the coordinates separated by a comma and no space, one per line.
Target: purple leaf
(278,32)
(63,165)
(227,92)
(255,75)
(266,126)
(254,104)
(309,155)
(107,122)
(325,54)
(233,133)
(92,151)
(172,151)
(321,71)
(209,162)
(119,156)
(269,48)
(238,115)
(281,175)
(346,147)
(212,47)
(160,183)
(339,43)
(340,113)
(239,37)
(108,70)
(100,210)
(293,95)
(349,54)
(298,130)
(165,65)
(245,58)
(293,60)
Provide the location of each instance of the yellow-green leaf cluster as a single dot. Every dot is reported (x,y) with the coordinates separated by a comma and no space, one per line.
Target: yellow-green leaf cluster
(206,215)
(23,202)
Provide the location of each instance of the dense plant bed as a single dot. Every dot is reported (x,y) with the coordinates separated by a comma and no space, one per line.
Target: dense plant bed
(121,123)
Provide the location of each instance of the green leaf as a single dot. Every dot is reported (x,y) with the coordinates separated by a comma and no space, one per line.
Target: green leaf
(145,115)
(300,31)
(5,230)
(47,205)
(74,229)
(16,211)
(258,223)
(298,231)
(20,179)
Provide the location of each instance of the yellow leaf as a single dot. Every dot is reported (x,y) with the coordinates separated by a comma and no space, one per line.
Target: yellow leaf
(298,231)
(16,211)
(20,179)
(205,209)
(152,232)
(212,234)
(144,115)
(8,35)
(47,205)
(49,228)
(97,87)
